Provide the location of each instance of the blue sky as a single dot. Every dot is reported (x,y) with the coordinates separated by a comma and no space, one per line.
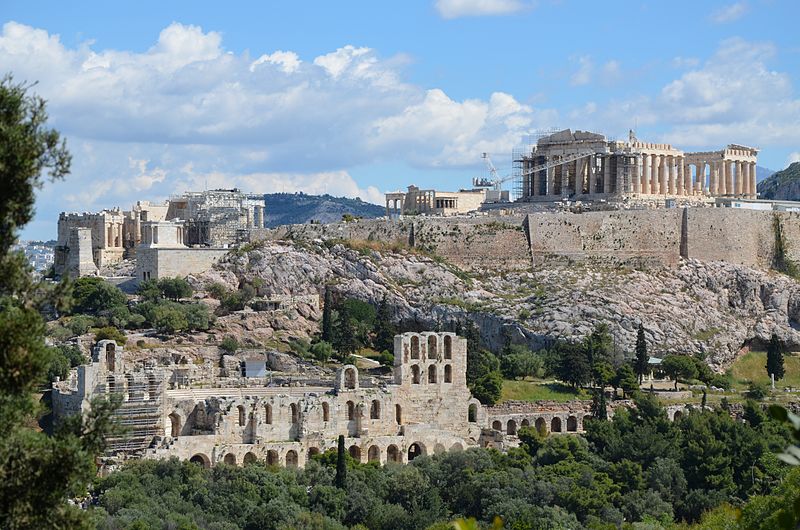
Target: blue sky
(358,98)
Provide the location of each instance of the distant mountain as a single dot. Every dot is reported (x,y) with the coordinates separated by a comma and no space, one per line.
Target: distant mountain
(299,208)
(762,173)
(783,185)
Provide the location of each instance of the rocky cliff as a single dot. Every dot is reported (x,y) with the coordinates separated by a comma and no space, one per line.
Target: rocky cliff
(716,308)
(783,185)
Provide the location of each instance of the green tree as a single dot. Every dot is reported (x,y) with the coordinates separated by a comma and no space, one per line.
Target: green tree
(775,358)
(229,344)
(39,472)
(169,319)
(327,315)
(641,364)
(110,333)
(91,294)
(345,338)
(175,288)
(385,330)
(679,367)
(321,351)
(341,464)
(148,291)
(488,388)
(598,344)
(625,378)
(599,406)
(574,367)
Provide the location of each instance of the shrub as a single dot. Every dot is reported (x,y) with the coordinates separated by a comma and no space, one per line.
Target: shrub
(168,319)
(148,290)
(92,295)
(217,291)
(197,317)
(757,391)
(110,333)
(175,288)
(321,351)
(386,358)
(229,344)
(80,324)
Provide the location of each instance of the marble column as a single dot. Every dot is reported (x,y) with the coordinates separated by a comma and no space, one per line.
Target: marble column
(746,179)
(564,180)
(739,177)
(713,177)
(663,174)
(655,181)
(753,181)
(647,169)
(537,183)
(673,176)
(699,177)
(729,178)
(682,190)
(551,177)
(607,174)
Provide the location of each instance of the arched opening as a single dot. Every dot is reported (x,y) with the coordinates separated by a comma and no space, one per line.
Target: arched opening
(242,415)
(110,362)
(350,378)
(415,450)
(448,373)
(541,426)
(457,447)
(201,459)
(250,458)
(291,458)
(374,454)
(392,454)
(415,347)
(312,451)
(555,425)
(375,410)
(230,459)
(497,426)
(472,413)
(572,424)
(432,344)
(525,423)
(511,427)
(272,457)
(351,411)
(294,409)
(678,415)
(432,373)
(268,414)
(398,414)
(448,347)
(326,412)
(175,425)
(438,449)
(415,374)
(355,452)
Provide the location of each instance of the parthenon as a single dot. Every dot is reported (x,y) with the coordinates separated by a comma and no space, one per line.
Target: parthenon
(585,165)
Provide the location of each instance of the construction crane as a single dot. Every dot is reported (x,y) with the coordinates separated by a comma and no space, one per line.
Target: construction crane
(496,182)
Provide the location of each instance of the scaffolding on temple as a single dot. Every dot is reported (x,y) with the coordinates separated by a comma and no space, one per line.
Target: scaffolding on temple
(139,415)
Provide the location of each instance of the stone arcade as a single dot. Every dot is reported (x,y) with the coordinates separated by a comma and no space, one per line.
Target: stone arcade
(424,408)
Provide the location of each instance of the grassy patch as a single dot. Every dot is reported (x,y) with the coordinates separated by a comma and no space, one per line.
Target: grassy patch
(752,367)
(706,334)
(539,391)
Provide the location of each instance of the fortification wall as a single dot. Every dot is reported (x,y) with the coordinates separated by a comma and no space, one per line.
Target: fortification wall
(744,237)
(464,241)
(637,237)
(154,263)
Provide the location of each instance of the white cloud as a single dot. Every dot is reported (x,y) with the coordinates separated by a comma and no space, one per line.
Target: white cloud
(140,118)
(793,157)
(468,8)
(729,13)
(584,73)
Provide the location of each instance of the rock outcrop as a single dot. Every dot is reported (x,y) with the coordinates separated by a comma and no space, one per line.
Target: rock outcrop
(714,308)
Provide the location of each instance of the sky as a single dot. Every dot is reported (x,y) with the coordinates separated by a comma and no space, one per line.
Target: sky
(358,98)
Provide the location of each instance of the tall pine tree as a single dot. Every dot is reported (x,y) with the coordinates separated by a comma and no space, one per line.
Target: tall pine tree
(775,358)
(641,364)
(341,465)
(384,329)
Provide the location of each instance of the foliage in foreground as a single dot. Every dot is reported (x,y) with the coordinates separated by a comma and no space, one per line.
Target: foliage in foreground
(640,467)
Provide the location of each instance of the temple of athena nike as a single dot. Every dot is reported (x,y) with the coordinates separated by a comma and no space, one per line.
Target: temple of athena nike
(586,166)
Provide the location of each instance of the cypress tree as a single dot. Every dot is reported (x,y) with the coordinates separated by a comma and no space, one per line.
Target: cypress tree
(775,358)
(599,409)
(705,398)
(341,465)
(384,329)
(327,323)
(641,364)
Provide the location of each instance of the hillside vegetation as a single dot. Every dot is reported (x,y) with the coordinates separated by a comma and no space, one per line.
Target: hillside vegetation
(299,208)
(782,185)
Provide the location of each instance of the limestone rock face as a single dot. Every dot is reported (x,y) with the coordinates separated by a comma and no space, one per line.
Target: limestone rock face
(715,308)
